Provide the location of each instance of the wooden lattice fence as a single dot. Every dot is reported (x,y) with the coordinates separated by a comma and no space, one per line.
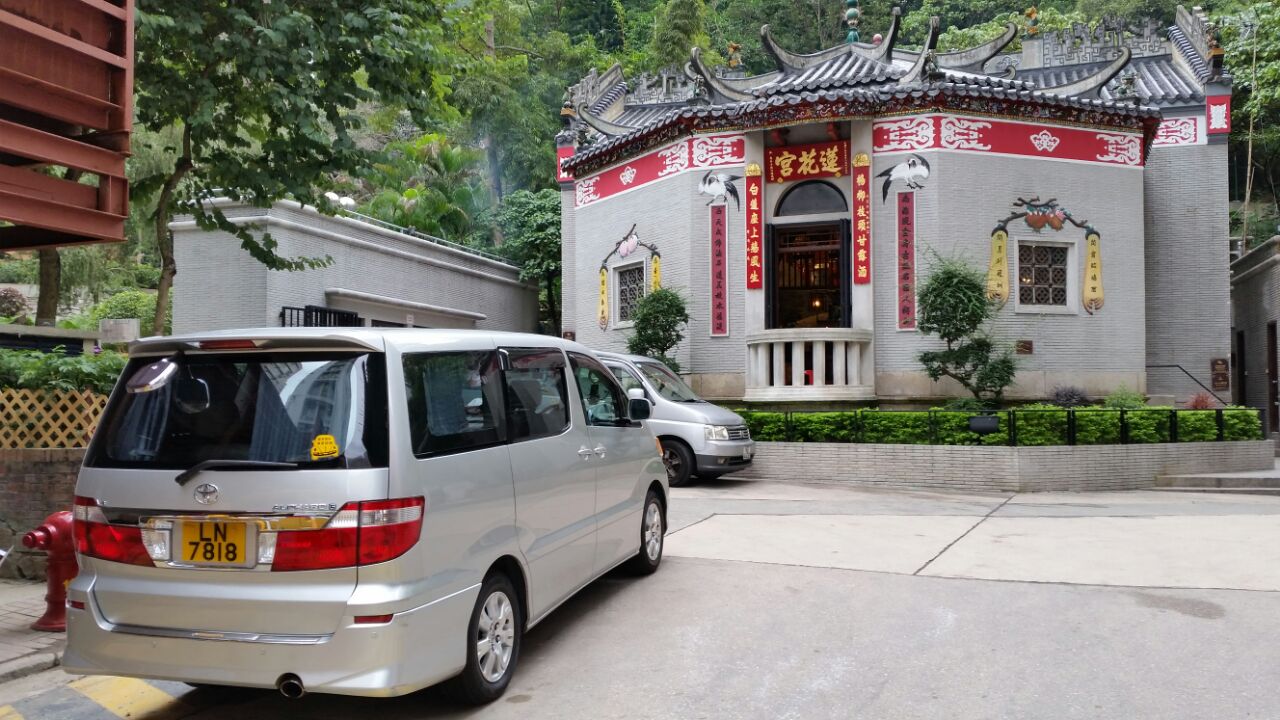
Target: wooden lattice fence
(48,418)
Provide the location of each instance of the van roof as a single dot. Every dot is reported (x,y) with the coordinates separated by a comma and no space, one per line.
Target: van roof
(624,356)
(374,339)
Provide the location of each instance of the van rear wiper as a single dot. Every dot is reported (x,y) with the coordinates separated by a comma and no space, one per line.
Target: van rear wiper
(203,465)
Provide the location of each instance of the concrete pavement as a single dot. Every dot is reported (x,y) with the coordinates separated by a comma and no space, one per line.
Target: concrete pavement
(792,601)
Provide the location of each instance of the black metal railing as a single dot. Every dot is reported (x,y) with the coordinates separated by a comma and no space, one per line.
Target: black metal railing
(318,316)
(1023,427)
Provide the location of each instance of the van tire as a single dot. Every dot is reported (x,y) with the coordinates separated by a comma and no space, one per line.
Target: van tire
(646,561)
(497,593)
(678,459)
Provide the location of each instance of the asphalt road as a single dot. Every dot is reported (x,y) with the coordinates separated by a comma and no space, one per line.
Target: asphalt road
(793,601)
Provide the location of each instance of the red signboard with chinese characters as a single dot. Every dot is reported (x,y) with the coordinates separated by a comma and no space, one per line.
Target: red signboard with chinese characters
(562,154)
(755,228)
(1218,114)
(701,152)
(861,219)
(1004,137)
(805,162)
(719,270)
(906,261)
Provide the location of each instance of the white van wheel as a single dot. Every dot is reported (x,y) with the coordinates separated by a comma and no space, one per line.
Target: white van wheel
(493,642)
(679,461)
(653,528)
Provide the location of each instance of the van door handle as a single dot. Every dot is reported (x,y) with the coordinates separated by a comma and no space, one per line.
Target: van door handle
(585,452)
(600,450)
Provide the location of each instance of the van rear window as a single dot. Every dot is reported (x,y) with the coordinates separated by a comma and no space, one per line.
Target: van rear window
(311,409)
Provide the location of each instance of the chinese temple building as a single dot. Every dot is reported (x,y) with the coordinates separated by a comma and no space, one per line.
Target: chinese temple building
(797,211)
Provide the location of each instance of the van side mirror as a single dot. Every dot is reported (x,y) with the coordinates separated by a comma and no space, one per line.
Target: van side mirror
(638,406)
(639,409)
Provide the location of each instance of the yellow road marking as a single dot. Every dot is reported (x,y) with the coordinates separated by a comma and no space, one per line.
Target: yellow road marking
(8,713)
(128,698)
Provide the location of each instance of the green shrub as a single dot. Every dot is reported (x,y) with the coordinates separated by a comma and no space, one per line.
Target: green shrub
(907,427)
(1197,426)
(1241,424)
(1040,425)
(20,272)
(128,304)
(1125,399)
(1148,425)
(766,426)
(34,370)
(824,427)
(1097,427)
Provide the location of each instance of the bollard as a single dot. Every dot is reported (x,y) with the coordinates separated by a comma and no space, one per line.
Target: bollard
(56,537)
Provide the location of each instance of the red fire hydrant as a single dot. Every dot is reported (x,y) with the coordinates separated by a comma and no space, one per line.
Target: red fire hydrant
(57,537)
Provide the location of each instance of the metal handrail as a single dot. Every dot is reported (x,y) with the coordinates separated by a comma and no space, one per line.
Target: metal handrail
(1193,379)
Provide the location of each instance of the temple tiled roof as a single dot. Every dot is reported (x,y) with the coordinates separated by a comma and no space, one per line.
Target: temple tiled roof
(1158,80)
(1189,52)
(845,70)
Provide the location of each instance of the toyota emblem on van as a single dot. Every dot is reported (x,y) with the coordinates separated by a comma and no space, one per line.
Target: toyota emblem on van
(206,494)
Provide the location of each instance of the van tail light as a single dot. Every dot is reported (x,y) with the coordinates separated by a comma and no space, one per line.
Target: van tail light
(97,538)
(361,533)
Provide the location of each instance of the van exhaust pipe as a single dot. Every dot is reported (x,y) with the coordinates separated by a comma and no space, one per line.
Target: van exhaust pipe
(290,686)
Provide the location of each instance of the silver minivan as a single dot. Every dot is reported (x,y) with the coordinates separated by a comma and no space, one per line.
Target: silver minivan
(363,512)
(698,438)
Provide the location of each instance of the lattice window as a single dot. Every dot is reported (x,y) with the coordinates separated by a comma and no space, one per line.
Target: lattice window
(630,290)
(1042,274)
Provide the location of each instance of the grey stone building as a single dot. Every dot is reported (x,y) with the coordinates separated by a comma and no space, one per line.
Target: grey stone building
(797,210)
(1255,310)
(380,276)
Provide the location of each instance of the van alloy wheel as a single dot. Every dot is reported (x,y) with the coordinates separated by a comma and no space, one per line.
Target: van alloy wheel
(653,532)
(679,461)
(497,636)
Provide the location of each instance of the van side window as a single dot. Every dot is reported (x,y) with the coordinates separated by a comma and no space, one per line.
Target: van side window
(455,401)
(537,393)
(602,398)
(626,378)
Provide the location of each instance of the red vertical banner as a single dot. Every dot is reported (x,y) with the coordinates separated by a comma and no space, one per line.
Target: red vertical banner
(755,228)
(906,261)
(861,219)
(719,270)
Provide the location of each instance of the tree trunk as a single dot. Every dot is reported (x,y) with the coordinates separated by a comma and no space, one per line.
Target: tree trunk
(164,239)
(50,287)
(553,305)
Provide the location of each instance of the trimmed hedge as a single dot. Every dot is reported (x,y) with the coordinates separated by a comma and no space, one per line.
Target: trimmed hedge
(34,370)
(1035,425)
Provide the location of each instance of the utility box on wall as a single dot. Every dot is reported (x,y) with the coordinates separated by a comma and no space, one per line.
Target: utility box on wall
(66,111)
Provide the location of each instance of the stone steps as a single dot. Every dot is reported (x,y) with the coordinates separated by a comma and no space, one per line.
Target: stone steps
(1255,491)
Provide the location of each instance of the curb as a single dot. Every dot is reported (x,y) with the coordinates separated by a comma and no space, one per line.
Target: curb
(29,665)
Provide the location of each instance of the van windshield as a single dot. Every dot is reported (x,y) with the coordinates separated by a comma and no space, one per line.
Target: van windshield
(668,384)
(312,409)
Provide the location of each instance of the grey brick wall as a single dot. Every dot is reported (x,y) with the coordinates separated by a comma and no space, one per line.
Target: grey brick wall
(1255,298)
(965,195)
(1188,278)
(33,484)
(1004,469)
(220,286)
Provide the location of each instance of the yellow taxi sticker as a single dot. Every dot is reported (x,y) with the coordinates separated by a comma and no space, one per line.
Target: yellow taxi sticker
(323,447)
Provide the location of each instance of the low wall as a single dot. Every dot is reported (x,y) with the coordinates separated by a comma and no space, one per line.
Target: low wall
(33,483)
(1002,468)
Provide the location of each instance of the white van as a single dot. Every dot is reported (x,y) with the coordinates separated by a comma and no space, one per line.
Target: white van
(363,512)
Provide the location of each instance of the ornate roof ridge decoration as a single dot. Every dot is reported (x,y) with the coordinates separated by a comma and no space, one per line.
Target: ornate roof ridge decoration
(972,59)
(884,51)
(1091,86)
(788,61)
(599,124)
(718,85)
(926,61)
(881,101)
(593,86)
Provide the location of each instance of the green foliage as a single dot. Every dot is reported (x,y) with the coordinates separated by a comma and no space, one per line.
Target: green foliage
(600,20)
(19,271)
(659,318)
(530,223)
(124,305)
(34,370)
(1251,39)
(1124,399)
(431,185)
(1037,426)
(681,25)
(13,302)
(953,305)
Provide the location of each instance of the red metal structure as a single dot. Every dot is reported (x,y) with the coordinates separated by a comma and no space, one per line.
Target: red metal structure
(66,107)
(56,537)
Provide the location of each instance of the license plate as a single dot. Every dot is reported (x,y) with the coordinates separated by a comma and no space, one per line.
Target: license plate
(746,454)
(214,543)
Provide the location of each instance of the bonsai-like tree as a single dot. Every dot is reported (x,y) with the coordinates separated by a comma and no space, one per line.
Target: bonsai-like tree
(659,318)
(953,305)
